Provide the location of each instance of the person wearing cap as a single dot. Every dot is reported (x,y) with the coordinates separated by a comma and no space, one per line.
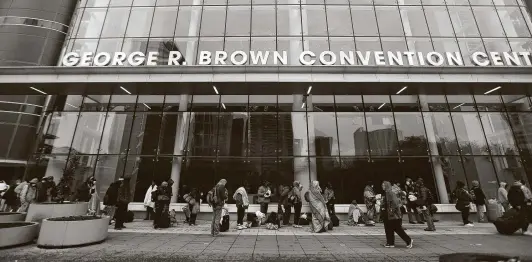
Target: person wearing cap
(28,195)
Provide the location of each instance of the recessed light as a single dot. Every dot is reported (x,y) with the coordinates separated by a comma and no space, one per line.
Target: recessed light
(215,90)
(309,89)
(223,105)
(458,105)
(125,90)
(303,105)
(403,89)
(149,108)
(40,91)
(496,88)
(71,105)
(381,106)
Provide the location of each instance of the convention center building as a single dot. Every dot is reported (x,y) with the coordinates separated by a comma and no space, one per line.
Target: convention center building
(347,92)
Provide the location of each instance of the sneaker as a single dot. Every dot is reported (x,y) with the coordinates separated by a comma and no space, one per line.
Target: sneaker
(239,227)
(428,229)
(389,246)
(527,233)
(409,246)
(412,222)
(469,225)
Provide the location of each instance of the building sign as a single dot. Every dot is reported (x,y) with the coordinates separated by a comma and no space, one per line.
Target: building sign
(306,58)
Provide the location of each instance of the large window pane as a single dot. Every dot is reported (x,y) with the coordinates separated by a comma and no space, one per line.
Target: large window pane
(164,21)
(115,25)
(188,21)
(213,21)
(364,21)
(290,18)
(438,21)
(263,23)
(389,21)
(463,21)
(440,124)
(339,21)
(317,24)
(381,134)
(470,134)
(91,23)
(513,22)
(488,22)
(116,134)
(498,133)
(480,168)
(141,24)
(88,132)
(414,22)
(238,21)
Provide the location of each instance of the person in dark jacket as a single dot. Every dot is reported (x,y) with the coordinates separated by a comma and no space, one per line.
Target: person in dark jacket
(391,214)
(109,200)
(11,198)
(162,197)
(287,205)
(330,198)
(424,202)
(463,202)
(517,199)
(194,206)
(480,200)
(122,202)
(413,215)
(295,196)
(83,193)
(220,195)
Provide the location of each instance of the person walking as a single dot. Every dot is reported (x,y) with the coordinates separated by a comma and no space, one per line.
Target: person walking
(391,213)
(463,202)
(28,195)
(479,198)
(328,194)
(242,203)
(148,203)
(264,194)
(297,202)
(413,215)
(370,200)
(318,207)
(122,202)
(220,195)
(502,196)
(162,197)
(424,201)
(287,205)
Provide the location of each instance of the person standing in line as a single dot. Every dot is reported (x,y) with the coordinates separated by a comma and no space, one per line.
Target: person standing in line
(194,206)
(162,197)
(28,195)
(517,199)
(295,197)
(94,202)
(463,202)
(3,189)
(370,200)
(242,203)
(109,200)
(11,198)
(479,198)
(264,194)
(220,195)
(424,201)
(413,215)
(391,213)
(287,205)
(502,196)
(122,202)
(328,194)
(148,203)
(318,207)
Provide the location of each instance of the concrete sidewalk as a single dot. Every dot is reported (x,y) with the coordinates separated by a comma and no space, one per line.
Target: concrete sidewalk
(140,243)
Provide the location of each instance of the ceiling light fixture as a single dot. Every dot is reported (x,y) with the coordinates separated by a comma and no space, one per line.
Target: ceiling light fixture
(215,90)
(309,89)
(71,105)
(223,105)
(303,105)
(125,90)
(149,108)
(403,89)
(458,105)
(496,88)
(381,106)
(40,91)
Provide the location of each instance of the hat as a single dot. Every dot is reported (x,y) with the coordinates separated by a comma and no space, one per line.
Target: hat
(34,180)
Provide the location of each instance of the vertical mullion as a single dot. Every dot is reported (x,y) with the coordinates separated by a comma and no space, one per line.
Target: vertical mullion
(130,133)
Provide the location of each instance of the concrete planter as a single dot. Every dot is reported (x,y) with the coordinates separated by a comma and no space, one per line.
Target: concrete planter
(11,217)
(39,211)
(17,233)
(59,234)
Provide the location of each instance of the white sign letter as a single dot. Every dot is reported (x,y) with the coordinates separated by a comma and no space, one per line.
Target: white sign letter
(348,58)
(475,57)
(379,58)
(71,59)
(496,58)
(257,56)
(220,57)
(307,53)
(235,54)
(119,58)
(364,58)
(205,58)
(438,61)
(152,58)
(174,57)
(323,61)
(136,58)
(106,60)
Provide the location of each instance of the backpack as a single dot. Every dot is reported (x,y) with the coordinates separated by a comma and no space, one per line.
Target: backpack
(211,197)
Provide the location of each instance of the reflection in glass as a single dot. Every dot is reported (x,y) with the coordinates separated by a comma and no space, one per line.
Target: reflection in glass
(469,133)
(498,133)
(480,168)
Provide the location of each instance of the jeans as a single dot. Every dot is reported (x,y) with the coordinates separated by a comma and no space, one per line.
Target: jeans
(297,213)
(394,226)
(413,215)
(429,219)
(120,215)
(465,216)
(149,213)
(216,217)
(240,212)
(264,208)
(481,215)
(286,214)
(192,220)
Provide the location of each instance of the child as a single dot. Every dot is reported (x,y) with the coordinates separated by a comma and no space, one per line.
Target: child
(354,214)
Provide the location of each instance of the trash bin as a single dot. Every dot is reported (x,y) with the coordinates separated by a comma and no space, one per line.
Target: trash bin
(493,211)
(472,257)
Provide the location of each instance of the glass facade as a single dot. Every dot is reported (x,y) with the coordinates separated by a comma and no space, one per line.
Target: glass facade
(348,140)
(190,26)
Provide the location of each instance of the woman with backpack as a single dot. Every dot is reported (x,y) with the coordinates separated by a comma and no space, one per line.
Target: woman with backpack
(463,202)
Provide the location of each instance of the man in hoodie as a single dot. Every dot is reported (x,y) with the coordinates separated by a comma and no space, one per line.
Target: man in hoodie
(220,195)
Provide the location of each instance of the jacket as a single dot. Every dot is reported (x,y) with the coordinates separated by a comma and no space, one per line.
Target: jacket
(390,211)
(111,194)
(147,196)
(261,194)
(502,195)
(283,200)
(480,198)
(296,193)
(221,195)
(83,193)
(424,196)
(463,199)
(328,195)
(516,196)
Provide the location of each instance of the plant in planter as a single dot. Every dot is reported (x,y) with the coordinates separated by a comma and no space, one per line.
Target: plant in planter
(64,188)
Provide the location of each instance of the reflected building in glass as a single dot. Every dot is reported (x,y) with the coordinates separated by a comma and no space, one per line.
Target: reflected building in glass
(350,125)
